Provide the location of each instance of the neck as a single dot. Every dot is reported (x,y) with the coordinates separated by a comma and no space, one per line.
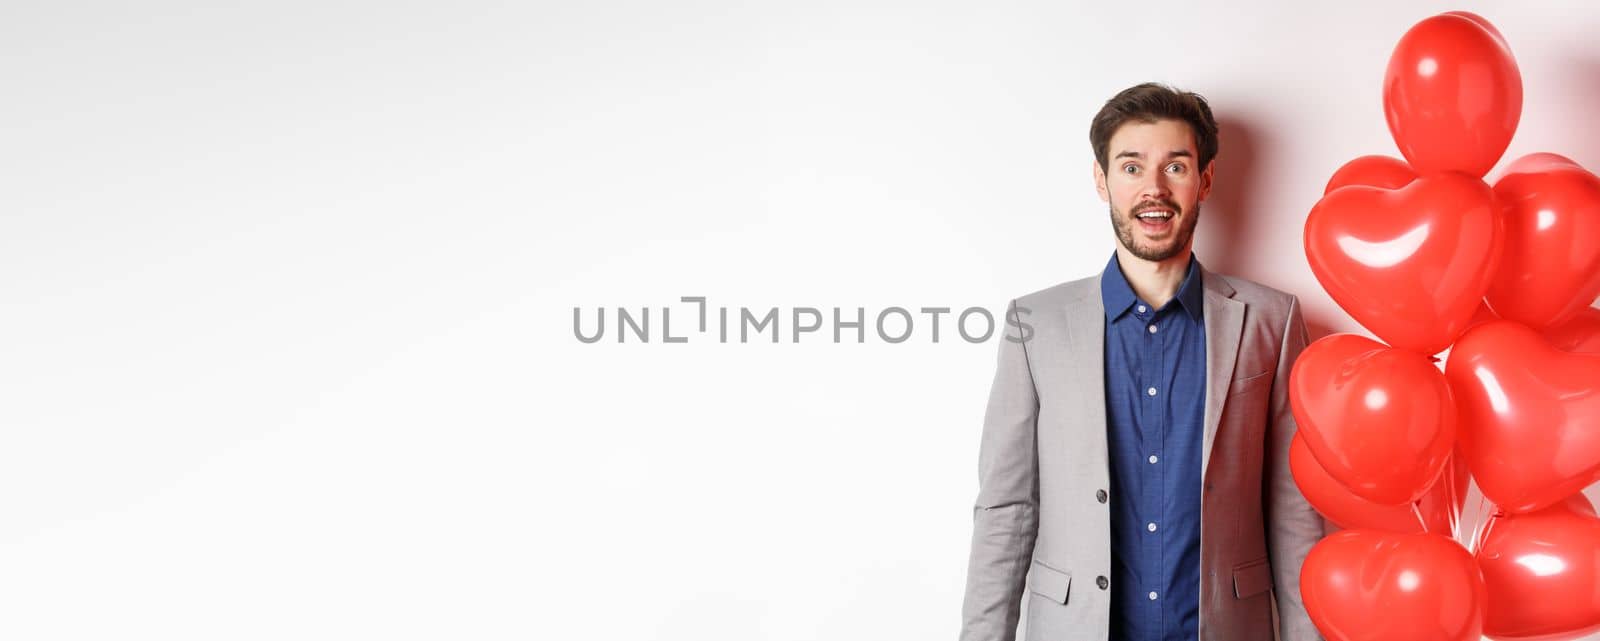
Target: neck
(1154,282)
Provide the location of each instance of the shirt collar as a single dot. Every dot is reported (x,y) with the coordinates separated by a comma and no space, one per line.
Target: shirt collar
(1117,295)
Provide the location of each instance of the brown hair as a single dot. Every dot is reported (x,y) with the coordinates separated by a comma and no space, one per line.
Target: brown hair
(1151,102)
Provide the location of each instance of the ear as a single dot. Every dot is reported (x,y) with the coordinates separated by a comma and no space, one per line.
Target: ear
(1205,180)
(1100,181)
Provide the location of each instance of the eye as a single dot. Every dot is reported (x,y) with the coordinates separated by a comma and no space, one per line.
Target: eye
(1130,168)
(1176,168)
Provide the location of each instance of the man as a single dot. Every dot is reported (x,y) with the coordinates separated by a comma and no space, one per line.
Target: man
(1134,466)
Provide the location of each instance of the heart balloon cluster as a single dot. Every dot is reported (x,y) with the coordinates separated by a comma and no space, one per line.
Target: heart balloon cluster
(1428,256)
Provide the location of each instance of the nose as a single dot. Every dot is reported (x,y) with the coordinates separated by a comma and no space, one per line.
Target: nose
(1156,187)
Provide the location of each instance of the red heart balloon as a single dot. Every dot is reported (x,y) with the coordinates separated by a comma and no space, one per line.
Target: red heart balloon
(1379,420)
(1410,264)
(1580,334)
(1452,95)
(1541,571)
(1364,585)
(1440,508)
(1550,261)
(1386,172)
(1529,415)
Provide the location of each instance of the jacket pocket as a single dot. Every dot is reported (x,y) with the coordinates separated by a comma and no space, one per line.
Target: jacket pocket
(1049,582)
(1252,578)
(1248,383)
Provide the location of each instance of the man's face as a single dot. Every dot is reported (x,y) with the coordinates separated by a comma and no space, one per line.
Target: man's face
(1154,187)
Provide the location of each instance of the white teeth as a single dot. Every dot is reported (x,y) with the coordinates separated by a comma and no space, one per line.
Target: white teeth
(1156,214)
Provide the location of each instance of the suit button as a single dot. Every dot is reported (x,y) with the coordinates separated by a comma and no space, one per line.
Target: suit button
(1102,582)
(1100,495)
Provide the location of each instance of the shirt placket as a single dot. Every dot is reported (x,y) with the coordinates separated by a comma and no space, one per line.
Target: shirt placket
(1152,435)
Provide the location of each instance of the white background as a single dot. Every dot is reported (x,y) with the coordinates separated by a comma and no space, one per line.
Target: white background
(288,346)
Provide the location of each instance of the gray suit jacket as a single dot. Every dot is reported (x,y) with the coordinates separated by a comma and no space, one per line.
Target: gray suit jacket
(1042,516)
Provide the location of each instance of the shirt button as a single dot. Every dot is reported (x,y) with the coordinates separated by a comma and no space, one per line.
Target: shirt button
(1100,495)
(1153,459)
(1102,582)
(1152,329)
(1152,596)
(1150,526)
(1141,309)
(1151,391)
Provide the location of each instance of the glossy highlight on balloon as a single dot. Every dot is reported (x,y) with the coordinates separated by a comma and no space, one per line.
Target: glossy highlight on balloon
(1409,264)
(1381,421)
(1529,421)
(1364,585)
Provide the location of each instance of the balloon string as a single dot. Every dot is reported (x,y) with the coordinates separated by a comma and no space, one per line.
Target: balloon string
(1416,508)
(1479,526)
(1488,526)
(1452,493)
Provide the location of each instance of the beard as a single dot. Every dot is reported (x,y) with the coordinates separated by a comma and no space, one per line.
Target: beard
(1123,224)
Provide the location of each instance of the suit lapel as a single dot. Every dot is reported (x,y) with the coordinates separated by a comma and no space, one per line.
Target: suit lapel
(1224,320)
(1086,327)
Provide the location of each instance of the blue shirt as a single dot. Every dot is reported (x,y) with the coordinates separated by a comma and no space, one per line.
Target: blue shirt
(1155,373)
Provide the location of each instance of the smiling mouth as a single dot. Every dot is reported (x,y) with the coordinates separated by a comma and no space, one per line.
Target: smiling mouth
(1156,219)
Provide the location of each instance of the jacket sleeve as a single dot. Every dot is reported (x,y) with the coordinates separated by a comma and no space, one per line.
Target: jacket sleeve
(1292,525)
(1005,517)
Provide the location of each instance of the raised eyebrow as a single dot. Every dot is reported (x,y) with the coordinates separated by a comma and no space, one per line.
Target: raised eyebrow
(1176,153)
